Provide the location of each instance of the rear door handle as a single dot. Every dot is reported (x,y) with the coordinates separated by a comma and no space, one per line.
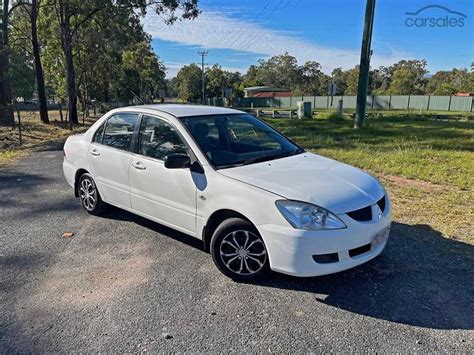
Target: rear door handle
(139,166)
(95,152)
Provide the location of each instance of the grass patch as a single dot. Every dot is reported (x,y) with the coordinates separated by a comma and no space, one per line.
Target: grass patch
(35,133)
(425,163)
(8,156)
(437,151)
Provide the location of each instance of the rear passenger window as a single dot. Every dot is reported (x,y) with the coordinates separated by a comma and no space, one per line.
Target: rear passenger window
(159,139)
(98,134)
(119,130)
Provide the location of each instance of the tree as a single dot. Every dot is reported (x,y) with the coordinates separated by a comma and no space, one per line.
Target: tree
(40,85)
(21,74)
(352,81)
(403,82)
(339,77)
(52,57)
(450,82)
(439,84)
(216,81)
(380,80)
(6,111)
(143,68)
(234,81)
(171,87)
(250,78)
(408,77)
(189,80)
(324,84)
(310,81)
(73,15)
(99,55)
(280,71)
(24,35)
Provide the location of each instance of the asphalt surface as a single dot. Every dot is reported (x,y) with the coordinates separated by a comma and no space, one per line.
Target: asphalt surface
(124,284)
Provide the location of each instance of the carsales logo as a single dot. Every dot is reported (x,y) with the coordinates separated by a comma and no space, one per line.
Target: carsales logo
(435,16)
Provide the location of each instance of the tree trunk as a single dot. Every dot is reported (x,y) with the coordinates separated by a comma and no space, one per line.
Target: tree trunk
(43,105)
(60,111)
(6,109)
(106,94)
(66,43)
(71,84)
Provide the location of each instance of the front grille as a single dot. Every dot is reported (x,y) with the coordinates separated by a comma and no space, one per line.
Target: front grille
(365,214)
(361,215)
(381,203)
(360,250)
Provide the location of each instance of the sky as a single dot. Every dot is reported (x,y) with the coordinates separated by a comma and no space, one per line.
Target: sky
(237,34)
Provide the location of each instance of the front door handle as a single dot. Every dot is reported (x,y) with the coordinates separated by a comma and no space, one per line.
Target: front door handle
(139,166)
(95,152)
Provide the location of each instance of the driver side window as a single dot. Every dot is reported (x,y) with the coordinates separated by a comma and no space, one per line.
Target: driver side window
(157,139)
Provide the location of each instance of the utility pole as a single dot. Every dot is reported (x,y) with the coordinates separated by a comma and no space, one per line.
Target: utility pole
(365,54)
(203,54)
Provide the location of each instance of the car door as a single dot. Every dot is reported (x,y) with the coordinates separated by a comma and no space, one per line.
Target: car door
(165,195)
(110,156)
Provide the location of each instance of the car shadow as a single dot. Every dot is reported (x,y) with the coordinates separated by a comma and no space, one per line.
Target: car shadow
(115,213)
(11,180)
(421,279)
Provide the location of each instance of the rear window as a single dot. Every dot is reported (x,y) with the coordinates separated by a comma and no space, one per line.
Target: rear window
(119,130)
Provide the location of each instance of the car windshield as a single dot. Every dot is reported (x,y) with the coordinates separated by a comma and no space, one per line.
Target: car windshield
(238,139)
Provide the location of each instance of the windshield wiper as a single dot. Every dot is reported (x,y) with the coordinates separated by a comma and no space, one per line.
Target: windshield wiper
(296,151)
(260,158)
(268,157)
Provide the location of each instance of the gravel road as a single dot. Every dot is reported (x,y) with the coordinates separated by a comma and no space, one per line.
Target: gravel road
(124,284)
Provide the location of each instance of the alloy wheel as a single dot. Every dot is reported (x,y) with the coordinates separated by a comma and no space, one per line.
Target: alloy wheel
(243,252)
(88,194)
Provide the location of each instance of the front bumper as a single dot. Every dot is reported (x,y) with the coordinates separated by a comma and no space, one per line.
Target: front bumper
(291,251)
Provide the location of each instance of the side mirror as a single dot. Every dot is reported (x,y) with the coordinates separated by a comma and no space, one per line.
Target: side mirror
(177,161)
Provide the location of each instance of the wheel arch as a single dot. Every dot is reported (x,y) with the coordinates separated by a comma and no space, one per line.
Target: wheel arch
(78,175)
(214,220)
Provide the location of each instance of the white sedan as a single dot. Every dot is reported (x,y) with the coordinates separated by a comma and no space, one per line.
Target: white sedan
(255,198)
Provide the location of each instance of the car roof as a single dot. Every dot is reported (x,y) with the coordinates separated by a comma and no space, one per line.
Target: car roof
(185,110)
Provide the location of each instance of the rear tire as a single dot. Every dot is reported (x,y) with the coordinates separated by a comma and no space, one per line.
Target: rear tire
(239,251)
(90,196)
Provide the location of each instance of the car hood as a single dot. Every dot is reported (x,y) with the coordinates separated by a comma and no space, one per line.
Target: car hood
(308,177)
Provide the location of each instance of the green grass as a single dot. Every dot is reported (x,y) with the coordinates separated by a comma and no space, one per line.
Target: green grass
(441,152)
(427,165)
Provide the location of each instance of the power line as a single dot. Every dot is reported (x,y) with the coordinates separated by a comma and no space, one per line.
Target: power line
(258,35)
(239,40)
(203,54)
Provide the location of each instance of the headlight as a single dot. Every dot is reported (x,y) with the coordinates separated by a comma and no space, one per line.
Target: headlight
(302,215)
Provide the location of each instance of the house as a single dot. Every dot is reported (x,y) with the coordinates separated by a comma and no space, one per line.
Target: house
(266,91)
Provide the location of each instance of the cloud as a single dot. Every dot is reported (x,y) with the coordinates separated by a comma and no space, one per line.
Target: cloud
(215,29)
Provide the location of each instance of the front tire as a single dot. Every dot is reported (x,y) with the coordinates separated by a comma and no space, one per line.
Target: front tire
(89,195)
(239,251)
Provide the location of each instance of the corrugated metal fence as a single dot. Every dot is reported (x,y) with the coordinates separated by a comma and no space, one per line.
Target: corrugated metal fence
(384,102)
